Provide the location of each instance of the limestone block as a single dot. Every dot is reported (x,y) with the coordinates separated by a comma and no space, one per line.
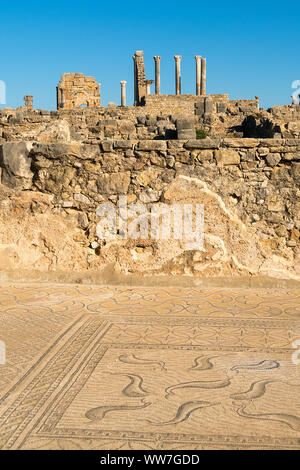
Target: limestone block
(107,123)
(15,163)
(202,155)
(81,198)
(113,183)
(107,146)
(292,142)
(203,144)
(152,145)
(273,159)
(149,196)
(157,159)
(227,157)
(186,134)
(296,170)
(146,177)
(208,106)
(123,144)
(221,107)
(241,143)
(185,124)
(294,127)
(199,108)
(291,156)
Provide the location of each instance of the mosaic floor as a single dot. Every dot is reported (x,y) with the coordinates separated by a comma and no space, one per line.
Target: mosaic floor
(91,367)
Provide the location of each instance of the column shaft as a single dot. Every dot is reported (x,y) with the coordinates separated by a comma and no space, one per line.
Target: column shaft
(157,74)
(135,80)
(203,76)
(198,74)
(123,93)
(177,75)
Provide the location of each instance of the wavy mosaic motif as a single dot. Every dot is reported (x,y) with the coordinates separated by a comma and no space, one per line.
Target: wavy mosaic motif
(133,360)
(263,365)
(184,412)
(98,413)
(207,385)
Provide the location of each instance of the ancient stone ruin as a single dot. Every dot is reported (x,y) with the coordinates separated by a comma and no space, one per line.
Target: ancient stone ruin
(139,78)
(75,90)
(28,100)
(142,86)
(241,162)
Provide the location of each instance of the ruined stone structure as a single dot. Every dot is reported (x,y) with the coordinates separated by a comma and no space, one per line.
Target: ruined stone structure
(139,78)
(28,100)
(76,90)
(241,162)
(249,189)
(142,86)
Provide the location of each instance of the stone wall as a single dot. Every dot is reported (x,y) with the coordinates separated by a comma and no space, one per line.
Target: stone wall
(215,116)
(249,188)
(177,104)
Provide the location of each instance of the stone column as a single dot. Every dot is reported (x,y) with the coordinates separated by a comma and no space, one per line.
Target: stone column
(203,76)
(60,97)
(177,74)
(148,87)
(139,78)
(123,93)
(198,74)
(157,74)
(135,81)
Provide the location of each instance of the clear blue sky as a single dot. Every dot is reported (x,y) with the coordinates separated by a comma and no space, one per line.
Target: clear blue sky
(252,48)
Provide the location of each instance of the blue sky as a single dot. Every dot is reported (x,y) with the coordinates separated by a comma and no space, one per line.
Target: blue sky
(251,47)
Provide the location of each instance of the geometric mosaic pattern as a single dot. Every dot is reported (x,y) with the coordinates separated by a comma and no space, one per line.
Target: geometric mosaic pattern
(93,367)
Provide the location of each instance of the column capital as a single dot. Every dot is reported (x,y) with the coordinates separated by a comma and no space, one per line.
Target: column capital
(198,57)
(123,82)
(177,57)
(157,58)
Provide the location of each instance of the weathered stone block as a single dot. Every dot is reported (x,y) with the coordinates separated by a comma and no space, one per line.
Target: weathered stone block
(221,107)
(291,156)
(108,123)
(113,183)
(146,177)
(202,155)
(185,124)
(203,144)
(241,143)
(186,134)
(149,196)
(15,163)
(78,197)
(148,145)
(157,159)
(208,106)
(296,170)
(107,146)
(227,157)
(273,159)
(123,144)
